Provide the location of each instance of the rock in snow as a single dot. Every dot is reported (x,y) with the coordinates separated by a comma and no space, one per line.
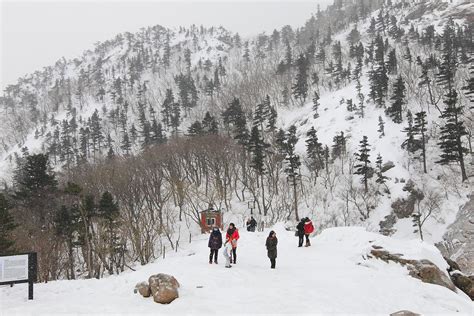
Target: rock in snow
(164,288)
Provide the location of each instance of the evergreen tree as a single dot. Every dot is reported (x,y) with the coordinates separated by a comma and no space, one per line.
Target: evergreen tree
(96,134)
(392,67)
(108,211)
(209,124)
(451,133)
(167,107)
(410,143)
(175,117)
(293,165)
(66,224)
(34,175)
(315,105)
(166,59)
(363,167)
(381,178)
(195,129)
(339,148)
(300,88)
(126,145)
(234,116)
(314,151)
(157,137)
(381,129)
(378,74)
(447,68)
(7,225)
(420,129)
(258,148)
(398,100)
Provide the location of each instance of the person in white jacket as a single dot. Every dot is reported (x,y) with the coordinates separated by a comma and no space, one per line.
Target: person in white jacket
(226,252)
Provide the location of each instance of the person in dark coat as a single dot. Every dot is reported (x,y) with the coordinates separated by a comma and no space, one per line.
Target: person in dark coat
(251,224)
(271,245)
(300,232)
(215,243)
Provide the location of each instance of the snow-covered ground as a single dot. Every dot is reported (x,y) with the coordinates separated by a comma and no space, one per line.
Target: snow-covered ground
(329,277)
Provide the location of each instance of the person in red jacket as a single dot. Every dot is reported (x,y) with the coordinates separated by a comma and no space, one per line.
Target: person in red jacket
(231,237)
(308,229)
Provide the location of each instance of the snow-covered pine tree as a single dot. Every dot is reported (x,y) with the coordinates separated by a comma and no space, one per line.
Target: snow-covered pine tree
(398,100)
(452,132)
(363,167)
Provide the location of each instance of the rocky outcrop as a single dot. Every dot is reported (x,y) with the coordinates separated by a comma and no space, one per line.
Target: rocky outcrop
(424,8)
(464,283)
(424,270)
(428,272)
(163,288)
(458,241)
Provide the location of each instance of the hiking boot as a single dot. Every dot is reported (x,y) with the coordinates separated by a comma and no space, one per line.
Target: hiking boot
(210,262)
(215,261)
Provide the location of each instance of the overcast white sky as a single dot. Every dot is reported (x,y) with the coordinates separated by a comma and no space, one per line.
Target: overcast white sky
(37,33)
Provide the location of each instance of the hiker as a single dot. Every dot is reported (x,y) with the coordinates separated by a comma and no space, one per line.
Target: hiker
(215,243)
(231,237)
(271,245)
(251,224)
(308,229)
(227,250)
(300,232)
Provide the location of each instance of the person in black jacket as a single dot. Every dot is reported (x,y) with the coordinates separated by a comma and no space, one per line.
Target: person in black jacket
(271,245)
(251,224)
(215,243)
(300,232)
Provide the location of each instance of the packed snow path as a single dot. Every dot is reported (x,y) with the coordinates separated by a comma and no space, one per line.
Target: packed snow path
(329,277)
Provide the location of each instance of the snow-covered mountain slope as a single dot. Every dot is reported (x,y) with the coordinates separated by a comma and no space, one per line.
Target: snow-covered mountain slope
(333,276)
(134,116)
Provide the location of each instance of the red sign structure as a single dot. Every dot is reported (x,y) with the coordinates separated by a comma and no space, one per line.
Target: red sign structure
(210,218)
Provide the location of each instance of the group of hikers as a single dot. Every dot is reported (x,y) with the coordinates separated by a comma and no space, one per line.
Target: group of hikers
(304,228)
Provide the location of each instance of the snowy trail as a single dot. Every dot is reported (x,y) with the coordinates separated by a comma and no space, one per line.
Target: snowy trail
(327,278)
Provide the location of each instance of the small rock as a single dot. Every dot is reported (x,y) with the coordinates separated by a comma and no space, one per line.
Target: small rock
(404,313)
(143,288)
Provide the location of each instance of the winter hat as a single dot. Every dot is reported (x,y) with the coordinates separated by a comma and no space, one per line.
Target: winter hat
(271,233)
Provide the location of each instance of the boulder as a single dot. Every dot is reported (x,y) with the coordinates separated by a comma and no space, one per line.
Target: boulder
(428,272)
(404,313)
(464,283)
(164,288)
(143,288)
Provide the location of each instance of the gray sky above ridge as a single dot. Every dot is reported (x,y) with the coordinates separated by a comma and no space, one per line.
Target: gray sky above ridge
(37,33)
